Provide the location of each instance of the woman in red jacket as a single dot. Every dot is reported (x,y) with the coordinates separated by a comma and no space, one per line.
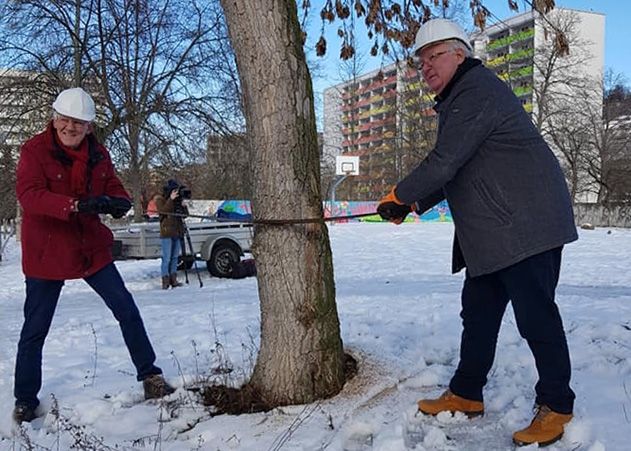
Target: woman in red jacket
(65,179)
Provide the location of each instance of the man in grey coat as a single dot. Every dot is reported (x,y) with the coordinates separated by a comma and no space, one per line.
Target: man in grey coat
(512,215)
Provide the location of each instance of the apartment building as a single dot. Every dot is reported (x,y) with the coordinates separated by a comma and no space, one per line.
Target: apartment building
(518,49)
(376,116)
(372,117)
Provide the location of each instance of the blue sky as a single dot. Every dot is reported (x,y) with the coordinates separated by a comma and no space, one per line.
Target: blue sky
(617,37)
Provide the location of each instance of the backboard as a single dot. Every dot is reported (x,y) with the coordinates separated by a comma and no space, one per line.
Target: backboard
(346,165)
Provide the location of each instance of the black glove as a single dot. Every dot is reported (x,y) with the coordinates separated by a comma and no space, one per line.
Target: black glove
(118,207)
(101,205)
(94,205)
(391,211)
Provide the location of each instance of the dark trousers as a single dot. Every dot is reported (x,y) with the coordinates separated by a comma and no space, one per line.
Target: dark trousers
(530,286)
(39,307)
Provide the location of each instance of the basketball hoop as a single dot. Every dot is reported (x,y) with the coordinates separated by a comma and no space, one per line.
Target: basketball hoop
(346,165)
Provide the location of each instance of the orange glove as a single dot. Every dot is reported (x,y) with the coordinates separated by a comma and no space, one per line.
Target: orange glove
(392,209)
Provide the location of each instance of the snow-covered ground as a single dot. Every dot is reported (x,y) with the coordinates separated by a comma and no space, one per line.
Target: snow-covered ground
(398,306)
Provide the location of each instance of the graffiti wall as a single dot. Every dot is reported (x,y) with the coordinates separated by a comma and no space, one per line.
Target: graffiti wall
(240,210)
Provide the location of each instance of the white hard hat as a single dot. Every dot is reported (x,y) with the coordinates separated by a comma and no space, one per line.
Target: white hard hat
(437,30)
(75,103)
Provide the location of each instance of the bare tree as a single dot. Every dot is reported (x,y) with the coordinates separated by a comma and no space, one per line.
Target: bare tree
(566,101)
(160,71)
(609,134)
(568,134)
(7,186)
(559,76)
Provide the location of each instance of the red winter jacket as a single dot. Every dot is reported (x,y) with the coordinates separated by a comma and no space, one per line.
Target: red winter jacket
(58,243)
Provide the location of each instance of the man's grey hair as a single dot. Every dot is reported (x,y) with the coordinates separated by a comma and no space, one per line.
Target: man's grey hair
(456,44)
(57,115)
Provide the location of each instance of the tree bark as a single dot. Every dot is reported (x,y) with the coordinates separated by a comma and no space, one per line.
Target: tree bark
(301,355)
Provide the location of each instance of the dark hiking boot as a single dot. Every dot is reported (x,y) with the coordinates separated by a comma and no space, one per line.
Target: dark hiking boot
(156,387)
(450,402)
(546,428)
(166,282)
(173,280)
(22,413)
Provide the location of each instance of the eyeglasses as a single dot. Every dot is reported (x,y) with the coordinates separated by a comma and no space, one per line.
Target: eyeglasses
(432,58)
(70,120)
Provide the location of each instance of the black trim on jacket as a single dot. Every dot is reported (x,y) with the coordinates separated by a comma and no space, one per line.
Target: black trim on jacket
(463,68)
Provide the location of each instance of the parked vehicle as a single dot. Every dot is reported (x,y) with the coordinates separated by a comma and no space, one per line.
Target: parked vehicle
(219,244)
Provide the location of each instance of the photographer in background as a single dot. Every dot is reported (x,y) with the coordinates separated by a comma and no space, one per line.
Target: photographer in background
(65,180)
(172,212)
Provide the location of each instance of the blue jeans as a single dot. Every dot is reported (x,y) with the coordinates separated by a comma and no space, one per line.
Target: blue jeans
(170,254)
(530,286)
(41,300)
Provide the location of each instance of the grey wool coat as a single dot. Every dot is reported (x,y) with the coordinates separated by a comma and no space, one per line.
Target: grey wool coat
(505,188)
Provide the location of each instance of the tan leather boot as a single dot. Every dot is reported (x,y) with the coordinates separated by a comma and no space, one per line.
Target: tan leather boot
(23,413)
(173,280)
(546,428)
(166,282)
(449,402)
(156,387)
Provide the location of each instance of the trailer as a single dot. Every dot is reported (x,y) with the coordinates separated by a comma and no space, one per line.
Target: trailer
(219,244)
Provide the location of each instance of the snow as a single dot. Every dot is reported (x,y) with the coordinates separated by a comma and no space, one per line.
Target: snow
(398,306)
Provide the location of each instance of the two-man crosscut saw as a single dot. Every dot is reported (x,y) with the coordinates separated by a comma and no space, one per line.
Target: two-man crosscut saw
(259,221)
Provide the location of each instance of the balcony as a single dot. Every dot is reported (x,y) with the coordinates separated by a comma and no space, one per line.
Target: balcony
(375,139)
(521,54)
(375,111)
(379,83)
(511,57)
(508,40)
(516,74)
(522,90)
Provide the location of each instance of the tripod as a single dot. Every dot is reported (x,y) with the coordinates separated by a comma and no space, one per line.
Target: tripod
(186,238)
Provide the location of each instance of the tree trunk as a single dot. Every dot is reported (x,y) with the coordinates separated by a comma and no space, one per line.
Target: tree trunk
(301,355)
(135,175)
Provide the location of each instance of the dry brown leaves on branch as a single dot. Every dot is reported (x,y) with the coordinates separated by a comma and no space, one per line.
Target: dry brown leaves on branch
(321,47)
(561,44)
(479,18)
(398,21)
(543,6)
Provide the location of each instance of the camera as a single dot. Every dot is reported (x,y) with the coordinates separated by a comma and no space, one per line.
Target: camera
(184,192)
